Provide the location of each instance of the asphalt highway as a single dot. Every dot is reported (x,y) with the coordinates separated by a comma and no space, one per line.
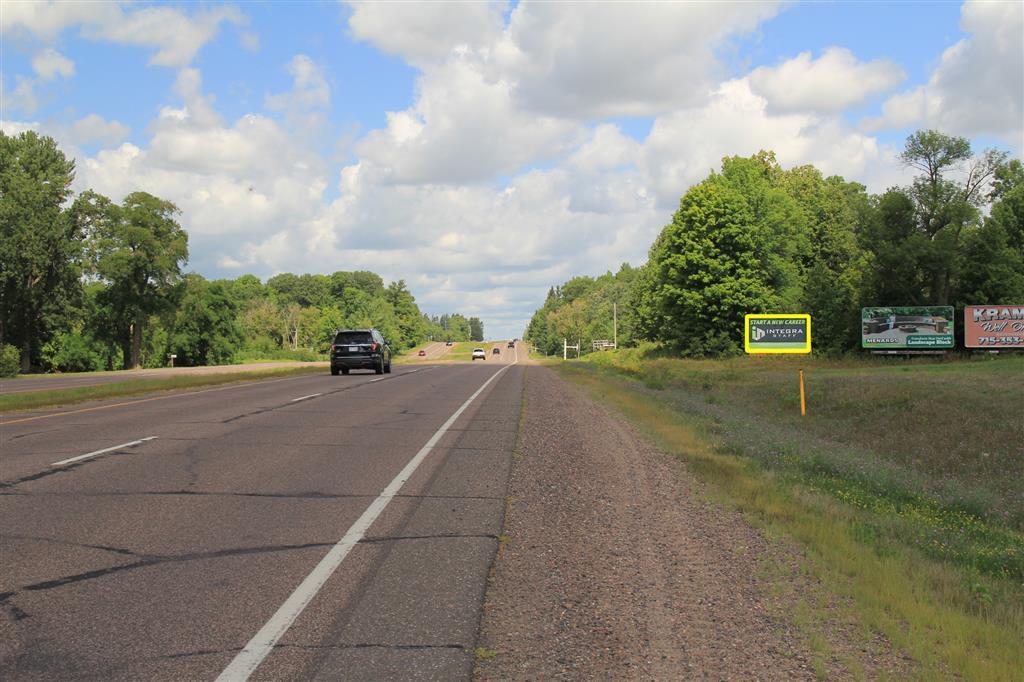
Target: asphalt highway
(162,537)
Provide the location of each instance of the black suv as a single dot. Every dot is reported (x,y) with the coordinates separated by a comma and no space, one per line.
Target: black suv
(360,349)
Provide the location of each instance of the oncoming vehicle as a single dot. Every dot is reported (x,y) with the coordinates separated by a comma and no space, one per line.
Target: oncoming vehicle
(449,343)
(479,353)
(360,349)
(496,351)
(511,344)
(422,353)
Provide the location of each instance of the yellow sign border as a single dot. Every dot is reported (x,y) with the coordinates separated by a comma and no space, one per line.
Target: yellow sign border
(775,316)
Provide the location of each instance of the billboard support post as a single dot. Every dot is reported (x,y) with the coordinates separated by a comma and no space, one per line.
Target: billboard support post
(803,401)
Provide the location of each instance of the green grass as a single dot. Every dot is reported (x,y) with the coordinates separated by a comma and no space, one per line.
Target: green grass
(69,396)
(884,481)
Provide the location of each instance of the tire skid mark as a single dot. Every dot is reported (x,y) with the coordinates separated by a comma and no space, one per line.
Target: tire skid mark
(156,561)
(324,394)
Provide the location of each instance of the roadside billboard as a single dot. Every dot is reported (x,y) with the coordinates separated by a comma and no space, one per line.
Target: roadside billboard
(994,327)
(774,333)
(907,328)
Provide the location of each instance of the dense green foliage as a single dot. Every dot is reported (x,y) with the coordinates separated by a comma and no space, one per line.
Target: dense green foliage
(9,361)
(88,284)
(755,238)
(40,247)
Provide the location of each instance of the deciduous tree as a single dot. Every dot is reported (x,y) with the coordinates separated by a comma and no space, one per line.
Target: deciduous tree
(40,246)
(139,251)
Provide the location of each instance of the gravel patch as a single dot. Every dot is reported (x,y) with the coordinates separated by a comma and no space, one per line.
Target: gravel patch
(615,567)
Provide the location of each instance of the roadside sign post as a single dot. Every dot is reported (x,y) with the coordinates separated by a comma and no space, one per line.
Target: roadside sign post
(779,333)
(803,400)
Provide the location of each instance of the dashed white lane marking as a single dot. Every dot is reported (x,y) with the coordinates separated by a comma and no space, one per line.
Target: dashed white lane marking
(249,658)
(104,450)
(306,397)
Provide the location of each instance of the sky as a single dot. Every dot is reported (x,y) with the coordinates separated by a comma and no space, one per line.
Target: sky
(486,151)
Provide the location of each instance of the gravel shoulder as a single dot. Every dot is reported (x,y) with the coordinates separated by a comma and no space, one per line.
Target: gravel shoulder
(615,565)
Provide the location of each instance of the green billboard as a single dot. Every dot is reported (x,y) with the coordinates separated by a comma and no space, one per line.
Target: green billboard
(907,328)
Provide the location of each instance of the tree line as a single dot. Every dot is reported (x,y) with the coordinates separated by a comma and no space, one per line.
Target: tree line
(755,238)
(90,284)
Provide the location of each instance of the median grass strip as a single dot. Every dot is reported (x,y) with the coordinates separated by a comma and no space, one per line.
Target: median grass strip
(904,486)
(70,396)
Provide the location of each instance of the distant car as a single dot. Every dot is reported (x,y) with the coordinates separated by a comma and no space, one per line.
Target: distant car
(448,343)
(360,349)
(479,353)
(422,353)
(511,344)
(495,351)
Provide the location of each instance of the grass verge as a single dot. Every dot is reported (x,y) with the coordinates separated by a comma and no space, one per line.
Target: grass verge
(920,559)
(69,396)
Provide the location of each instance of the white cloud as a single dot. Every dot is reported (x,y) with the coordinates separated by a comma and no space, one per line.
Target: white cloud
(463,127)
(899,111)
(573,60)
(250,41)
(607,148)
(491,102)
(833,82)
(46,20)
(426,31)
(978,86)
(685,146)
(175,35)
(22,98)
(95,128)
(198,108)
(309,91)
(48,64)
(620,59)
(13,128)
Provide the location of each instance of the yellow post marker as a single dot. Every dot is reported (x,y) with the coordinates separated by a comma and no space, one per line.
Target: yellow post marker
(803,401)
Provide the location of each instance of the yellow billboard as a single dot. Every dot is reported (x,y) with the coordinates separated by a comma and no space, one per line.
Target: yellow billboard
(777,333)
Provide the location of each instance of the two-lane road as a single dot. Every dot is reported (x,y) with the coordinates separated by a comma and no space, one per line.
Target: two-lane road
(196,535)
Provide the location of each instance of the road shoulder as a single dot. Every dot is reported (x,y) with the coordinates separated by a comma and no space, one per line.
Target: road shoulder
(615,565)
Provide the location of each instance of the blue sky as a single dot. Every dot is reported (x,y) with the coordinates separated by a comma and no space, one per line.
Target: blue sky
(485,151)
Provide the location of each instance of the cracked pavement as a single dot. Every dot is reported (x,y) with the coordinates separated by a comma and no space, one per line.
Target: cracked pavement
(161,560)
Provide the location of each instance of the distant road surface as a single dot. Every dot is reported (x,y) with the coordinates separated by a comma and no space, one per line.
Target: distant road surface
(309,527)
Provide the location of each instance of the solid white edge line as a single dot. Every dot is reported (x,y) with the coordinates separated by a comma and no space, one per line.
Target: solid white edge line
(249,658)
(305,397)
(104,450)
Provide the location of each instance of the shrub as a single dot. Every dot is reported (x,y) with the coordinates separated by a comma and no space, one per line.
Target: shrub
(10,361)
(73,353)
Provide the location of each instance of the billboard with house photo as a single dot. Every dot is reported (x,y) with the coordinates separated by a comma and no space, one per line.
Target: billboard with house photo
(907,328)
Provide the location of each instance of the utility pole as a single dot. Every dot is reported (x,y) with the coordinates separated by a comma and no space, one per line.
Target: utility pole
(615,325)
